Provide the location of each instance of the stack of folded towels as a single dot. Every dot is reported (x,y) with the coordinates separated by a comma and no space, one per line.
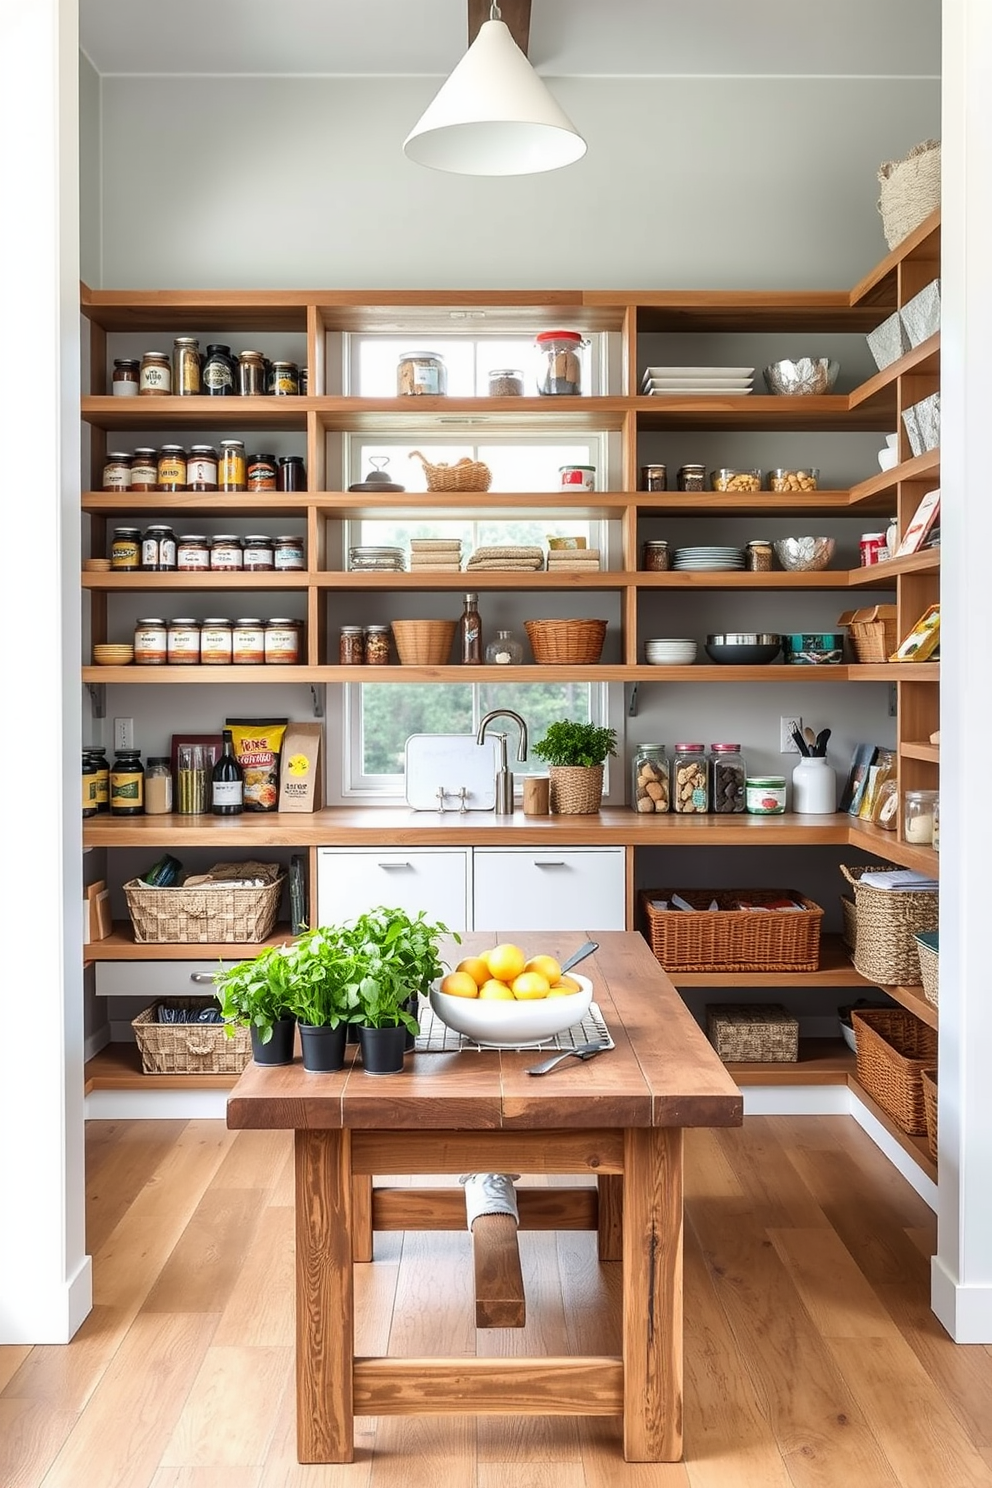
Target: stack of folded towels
(436,554)
(574,560)
(509,556)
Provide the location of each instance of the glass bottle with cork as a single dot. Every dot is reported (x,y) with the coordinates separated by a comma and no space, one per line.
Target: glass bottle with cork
(470,632)
(227,782)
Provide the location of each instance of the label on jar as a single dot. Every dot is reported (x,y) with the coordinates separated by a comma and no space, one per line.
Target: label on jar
(282,645)
(426,379)
(184,645)
(232,470)
(258,559)
(261,478)
(144,475)
(150,645)
(226,555)
(171,471)
(190,559)
(149,552)
(215,645)
(117,477)
(127,789)
(217,375)
(125,387)
(248,647)
(201,470)
(156,378)
(289,557)
(125,553)
(764,800)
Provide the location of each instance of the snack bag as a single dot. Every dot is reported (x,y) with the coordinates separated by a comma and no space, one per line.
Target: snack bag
(257,744)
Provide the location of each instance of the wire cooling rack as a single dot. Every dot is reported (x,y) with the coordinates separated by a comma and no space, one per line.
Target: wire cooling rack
(437,1038)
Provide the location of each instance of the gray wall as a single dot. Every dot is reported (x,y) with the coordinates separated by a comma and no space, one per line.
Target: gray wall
(90,167)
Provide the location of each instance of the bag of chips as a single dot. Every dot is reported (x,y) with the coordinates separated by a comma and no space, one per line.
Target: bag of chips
(257,744)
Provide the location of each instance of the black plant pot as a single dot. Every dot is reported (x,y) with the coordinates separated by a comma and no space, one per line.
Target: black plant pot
(323,1048)
(383,1049)
(413,1008)
(279,1049)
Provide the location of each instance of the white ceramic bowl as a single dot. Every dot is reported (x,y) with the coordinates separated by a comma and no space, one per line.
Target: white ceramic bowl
(508,1025)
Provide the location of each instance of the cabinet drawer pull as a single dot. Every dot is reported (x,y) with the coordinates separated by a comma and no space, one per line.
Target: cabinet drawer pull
(550,863)
(202,978)
(395,865)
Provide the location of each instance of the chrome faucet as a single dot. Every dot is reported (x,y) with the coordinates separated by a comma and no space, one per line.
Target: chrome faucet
(504,779)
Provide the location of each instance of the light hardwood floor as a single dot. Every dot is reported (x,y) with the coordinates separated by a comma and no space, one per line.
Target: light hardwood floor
(812,1358)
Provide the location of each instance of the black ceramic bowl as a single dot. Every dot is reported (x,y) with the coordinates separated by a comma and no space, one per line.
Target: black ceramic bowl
(743,648)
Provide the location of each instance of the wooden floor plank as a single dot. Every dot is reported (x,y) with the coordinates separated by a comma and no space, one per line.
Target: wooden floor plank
(530,1475)
(12,1356)
(31,1437)
(254,1160)
(838,1297)
(777,1191)
(231,1411)
(204,1266)
(960,1374)
(206,1477)
(256,1311)
(119,1162)
(173,1190)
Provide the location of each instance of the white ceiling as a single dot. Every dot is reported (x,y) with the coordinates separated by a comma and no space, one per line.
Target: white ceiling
(887,38)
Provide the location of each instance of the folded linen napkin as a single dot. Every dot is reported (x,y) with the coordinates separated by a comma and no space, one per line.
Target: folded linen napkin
(510,550)
(435,544)
(529,565)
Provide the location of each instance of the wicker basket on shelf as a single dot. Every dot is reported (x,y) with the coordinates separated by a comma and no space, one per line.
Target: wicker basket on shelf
(575,790)
(566,642)
(887,923)
(464,475)
(893,1050)
(928,1080)
(222,915)
(189,1048)
(849,911)
(424,642)
(873,631)
(928,950)
(731,939)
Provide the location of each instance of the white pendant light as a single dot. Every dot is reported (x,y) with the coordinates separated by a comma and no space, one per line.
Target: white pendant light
(494,116)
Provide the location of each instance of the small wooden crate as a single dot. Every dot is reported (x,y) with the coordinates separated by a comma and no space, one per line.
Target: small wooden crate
(189,1048)
(729,939)
(753,1032)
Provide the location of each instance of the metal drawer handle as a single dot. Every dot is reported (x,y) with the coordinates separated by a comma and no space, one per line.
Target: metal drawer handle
(202,978)
(395,865)
(549,863)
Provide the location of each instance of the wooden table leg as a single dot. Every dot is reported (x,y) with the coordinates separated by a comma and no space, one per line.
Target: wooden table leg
(361,1216)
(652,1294)
(325,1323)
(610,1186)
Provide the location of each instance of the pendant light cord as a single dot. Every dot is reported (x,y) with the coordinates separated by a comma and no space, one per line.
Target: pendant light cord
(494,11)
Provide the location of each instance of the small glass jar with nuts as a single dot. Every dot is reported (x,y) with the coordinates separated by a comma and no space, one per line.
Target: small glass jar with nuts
(735,480)
(793,480)
(690,779)
(650,779)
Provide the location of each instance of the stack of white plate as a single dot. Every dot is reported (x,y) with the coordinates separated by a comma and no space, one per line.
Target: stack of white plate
(667,652)
(721,382)
(708,559)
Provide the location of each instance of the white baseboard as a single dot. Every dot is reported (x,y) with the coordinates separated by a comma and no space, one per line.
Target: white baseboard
(899,1159)
(796,1100)
(965,1311)
(44,1315)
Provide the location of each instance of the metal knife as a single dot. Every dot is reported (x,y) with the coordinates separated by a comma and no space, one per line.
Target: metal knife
(584,1051)
(580,955)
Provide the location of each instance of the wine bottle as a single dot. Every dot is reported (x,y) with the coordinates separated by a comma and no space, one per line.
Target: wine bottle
(227,782)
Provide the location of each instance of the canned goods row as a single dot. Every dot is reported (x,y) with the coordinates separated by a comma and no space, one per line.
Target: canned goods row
(159,550)
(202,468)
(215,373)
(217,641)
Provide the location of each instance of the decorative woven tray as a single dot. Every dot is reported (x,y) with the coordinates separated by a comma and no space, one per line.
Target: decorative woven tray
(436,1037)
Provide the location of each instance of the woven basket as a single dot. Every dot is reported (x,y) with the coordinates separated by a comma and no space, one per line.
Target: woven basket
(197,916)
(753,1032)
(928,1080)
(189,1048)
(728,939)
(894,1048)
(927,948)
(424,642)
(887,924)
(910,190)
(575,790)
(466,475)
(849,911)
(566,642)
(873,632)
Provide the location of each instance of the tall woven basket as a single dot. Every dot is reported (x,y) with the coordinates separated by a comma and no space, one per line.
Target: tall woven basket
(576,790)
(886,928)
(909,190)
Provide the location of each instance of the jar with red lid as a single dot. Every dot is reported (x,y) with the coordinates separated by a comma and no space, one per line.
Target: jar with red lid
(559,362)
(690,779)
(873,549)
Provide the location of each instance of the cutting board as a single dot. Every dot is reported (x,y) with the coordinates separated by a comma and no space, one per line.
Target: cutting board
(451,761)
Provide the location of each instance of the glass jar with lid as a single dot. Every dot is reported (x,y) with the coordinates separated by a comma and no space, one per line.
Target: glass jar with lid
(691,478)
(351,646)
(155,377)
(650,779)
(125,550)
(183,641)
(150,642)
(220,372)
(201,468)
(506,382)
(261,472)
(215,642)
(248,641)
(172,468)
(257,553)
(728,778)
(251,374)
(158,785)
(144,469)
(282,642)
(505,650)
(283,379)
(117,471)
(421,374)
(690,779)
(918,811)
(227,553)
(656,556)
(291,474)
(193,552)
(758,555)
(158,549)
(127,371)
(559,362)
(377,645)
(289,554)
(186,367)
(232,470)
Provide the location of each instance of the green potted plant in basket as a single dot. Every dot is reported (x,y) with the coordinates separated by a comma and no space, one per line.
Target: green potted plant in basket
(399,955)
(256,994)
(576,754)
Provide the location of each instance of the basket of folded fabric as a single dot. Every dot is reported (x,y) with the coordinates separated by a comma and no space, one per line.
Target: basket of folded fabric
(464,475)
(185,1036)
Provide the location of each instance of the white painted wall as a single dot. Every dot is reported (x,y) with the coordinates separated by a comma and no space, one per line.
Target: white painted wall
(89,172)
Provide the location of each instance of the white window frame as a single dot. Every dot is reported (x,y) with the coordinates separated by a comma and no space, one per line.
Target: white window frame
(599,360)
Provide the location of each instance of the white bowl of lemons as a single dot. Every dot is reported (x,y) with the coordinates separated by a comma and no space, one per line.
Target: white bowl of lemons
(509,1000)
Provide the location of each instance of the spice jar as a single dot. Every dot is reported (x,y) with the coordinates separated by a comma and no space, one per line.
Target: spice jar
(758,555)
(215,642)
(559,365)
(117,472)
(183,642)
(248,642)
(656,557)
(172,468)
(261,473)
(288,554)
(150,643)
(765,795)
(127,784)
(257,555)
(251,374)
(158,785)
(577,477)
(421,373)
(125,550)
(155,377)
(690,779)
(124,383)
(226,553)
(144,470)
(98,755)
(691,478)
(351,646)
(201,468)
(728,778)
(219,372)
(283,379)
(506,382)
(232,467)
(158,549)
(186,367)
(89,782)
(917,819)
(650,779)
(292,473)
(193,553)
(654,477)
(282,642)
(377,645)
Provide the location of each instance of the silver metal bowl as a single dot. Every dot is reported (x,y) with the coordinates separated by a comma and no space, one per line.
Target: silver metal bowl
(745,638)
(808,375)
(804,554)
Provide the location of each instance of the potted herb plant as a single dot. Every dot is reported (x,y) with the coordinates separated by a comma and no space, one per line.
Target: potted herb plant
(576,754)
(324,975)
(256,995)
(399,958)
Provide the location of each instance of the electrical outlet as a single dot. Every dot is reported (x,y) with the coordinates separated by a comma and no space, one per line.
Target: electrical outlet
(786,743)
(123,733)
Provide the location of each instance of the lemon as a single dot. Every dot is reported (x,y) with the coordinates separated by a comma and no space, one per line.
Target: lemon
(529,986)
(495,991)
(476,968)
(545,966)
(564,987)
(505,962)
(459,984)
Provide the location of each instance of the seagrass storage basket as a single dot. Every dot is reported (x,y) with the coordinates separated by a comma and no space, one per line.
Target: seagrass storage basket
(887,924)
(222,915)
(423,642)
(873,632)
(893,1050)
(755,1032)
(849,911)
(575,790)
(730,939)
(566,642)
(909,190)
(928,1079)
(464,475)
(189,1048)
(928,950)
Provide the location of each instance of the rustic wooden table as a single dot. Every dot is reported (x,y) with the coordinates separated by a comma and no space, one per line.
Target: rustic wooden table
(620,1117)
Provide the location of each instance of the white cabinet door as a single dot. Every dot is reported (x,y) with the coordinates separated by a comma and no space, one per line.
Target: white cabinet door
(525,889)
(154,979)
(351,880)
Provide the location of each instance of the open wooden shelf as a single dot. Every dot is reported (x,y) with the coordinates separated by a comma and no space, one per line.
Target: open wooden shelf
(885,845)
(884,575)
(867,493)
(836,970)
(821,1061)
(895,671)
(914,1000)
(118,1067)
(920,749)
(919,361)
(914,1147)
(120,945)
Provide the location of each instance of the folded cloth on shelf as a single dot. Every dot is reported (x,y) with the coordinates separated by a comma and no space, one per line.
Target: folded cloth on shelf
(572,555)
(437,567)
(530,565)
(435,544)
(573,568)
(510,550)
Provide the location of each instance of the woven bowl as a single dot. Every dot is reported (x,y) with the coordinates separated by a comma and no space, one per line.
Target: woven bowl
(108,655)
(424,642)
(508,1025)
(566,642)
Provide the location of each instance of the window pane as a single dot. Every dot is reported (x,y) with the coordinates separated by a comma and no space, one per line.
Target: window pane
(378,358)
(538,703)
(391,712)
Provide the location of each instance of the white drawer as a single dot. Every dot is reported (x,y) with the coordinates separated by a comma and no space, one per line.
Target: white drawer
(530,889)
(153,979)
(353,880)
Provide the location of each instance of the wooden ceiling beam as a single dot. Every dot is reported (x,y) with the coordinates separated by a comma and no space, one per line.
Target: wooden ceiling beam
(516,14)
